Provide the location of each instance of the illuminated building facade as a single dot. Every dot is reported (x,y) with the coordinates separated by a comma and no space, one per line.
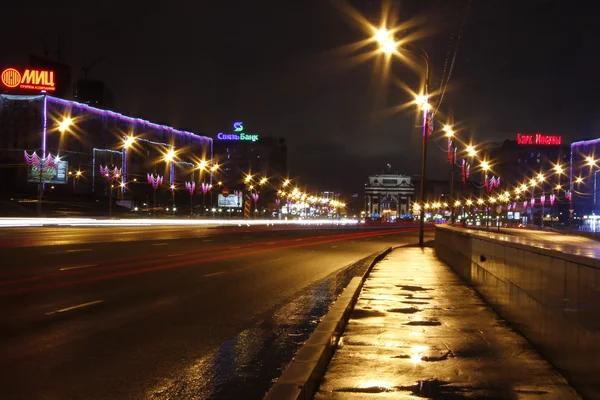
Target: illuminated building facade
(94,138)
(240,153)
(584,177)
(388,195)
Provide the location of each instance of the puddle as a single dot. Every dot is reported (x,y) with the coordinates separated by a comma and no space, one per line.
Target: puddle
(443,355)
(413,288)
(407,310)
(423,323)
(359,314)
(413,297)
(371,389)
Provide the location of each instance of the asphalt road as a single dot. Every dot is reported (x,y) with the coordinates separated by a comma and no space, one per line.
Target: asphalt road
(133,313)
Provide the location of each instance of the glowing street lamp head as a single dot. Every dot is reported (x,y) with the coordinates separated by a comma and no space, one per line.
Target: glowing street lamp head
(540,177)
(170,155)
(471,151)
(485,165)
(448,130)
(64,125)
(579,180)
(263,181)
(479,201)
(523,187)
(421,100)
(122,185)
(382,35)
(286,182)
(248,178)
(215,168)
(558,169)
(590,161)
(202,165)
(128,142)
(78,173)
(558,187)
(469,202)
(172,187)
(389,46)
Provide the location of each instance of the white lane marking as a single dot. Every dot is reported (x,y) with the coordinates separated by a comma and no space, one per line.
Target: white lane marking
(159,244)
(213,274)
(208,240)
(176,255)
(79,266)
(277,259)
(271,243)
(333,247)
(77,250)
(62,310)
(125,233)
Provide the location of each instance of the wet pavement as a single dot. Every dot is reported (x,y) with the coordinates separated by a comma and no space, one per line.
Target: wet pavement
(418,331)
(557,241)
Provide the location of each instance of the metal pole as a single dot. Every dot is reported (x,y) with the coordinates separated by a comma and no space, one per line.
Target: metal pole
(453,218)
(424,158)
(110,199)
(40,190)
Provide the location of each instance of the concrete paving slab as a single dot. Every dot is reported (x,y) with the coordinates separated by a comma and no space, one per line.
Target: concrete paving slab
(418,331)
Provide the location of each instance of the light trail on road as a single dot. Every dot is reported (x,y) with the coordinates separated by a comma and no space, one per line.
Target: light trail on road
(152,263)
(37,222)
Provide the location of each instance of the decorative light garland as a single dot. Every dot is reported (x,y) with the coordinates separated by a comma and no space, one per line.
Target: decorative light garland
(191,187)
(205,187)
(154,181)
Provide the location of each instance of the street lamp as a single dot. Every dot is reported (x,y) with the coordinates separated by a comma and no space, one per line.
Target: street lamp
(387,45)
(65,124)
(128,142)
(451,137)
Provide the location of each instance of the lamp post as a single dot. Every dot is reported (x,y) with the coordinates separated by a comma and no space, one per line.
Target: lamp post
(425,107)
(111,176)
(485,166)
(450,134)
(172,187)
(388,46)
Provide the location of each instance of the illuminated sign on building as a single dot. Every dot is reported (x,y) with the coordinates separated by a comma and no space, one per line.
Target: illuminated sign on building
(539,139)
(30,79)
(238,127)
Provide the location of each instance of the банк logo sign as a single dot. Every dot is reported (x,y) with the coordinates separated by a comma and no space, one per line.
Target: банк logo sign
(31,79)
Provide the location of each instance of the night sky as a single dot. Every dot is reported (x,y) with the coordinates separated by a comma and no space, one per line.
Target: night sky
(281,67)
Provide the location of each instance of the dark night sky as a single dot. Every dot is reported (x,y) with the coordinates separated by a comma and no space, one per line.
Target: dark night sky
(522,66)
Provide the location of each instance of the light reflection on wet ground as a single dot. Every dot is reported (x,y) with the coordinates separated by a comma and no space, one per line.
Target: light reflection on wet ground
(448,346)
(246,366)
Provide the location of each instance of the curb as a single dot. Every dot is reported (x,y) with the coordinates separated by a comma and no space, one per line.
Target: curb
(302,376)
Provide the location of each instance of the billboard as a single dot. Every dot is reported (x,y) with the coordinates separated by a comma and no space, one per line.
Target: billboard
(28,79)
(234,200)
(56,175)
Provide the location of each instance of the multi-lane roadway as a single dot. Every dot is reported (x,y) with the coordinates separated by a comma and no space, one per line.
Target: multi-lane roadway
(166,312)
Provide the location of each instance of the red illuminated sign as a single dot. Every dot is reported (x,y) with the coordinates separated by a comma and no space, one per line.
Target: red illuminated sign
(30,79)
(539,139)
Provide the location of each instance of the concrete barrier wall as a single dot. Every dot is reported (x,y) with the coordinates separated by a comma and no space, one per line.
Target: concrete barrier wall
(552,298)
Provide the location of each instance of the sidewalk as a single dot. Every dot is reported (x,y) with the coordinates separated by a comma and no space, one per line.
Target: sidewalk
(418,332)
